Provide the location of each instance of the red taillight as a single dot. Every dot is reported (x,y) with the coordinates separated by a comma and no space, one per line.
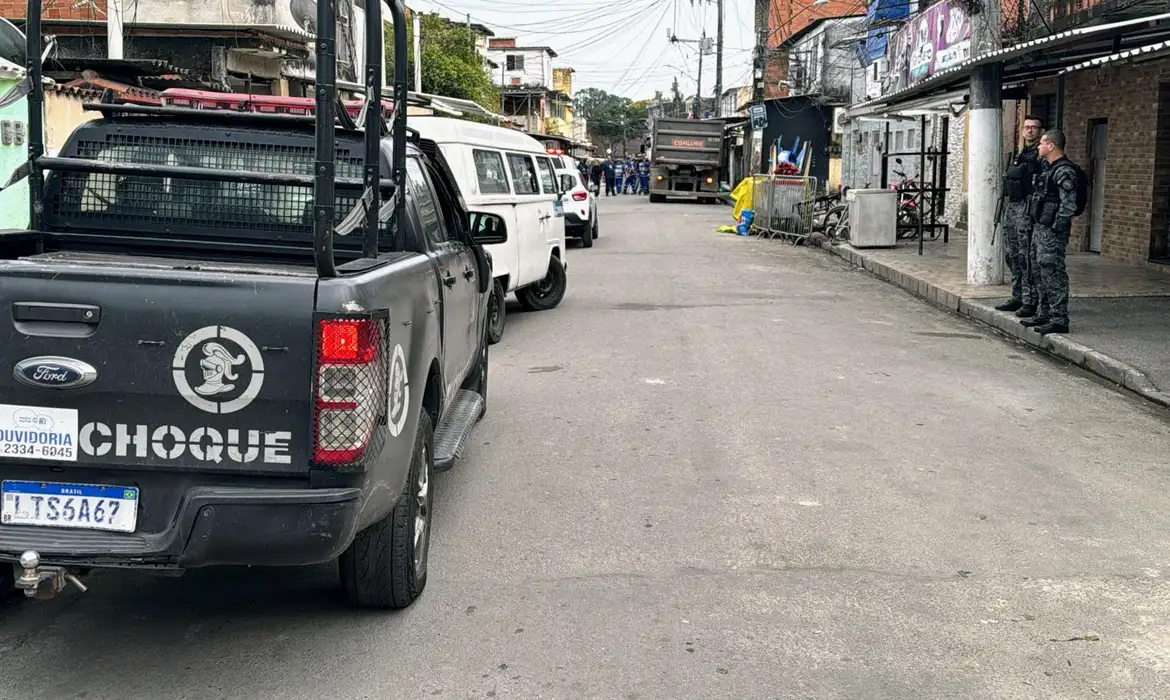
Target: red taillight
(350,388)
(579,196)
(347,340)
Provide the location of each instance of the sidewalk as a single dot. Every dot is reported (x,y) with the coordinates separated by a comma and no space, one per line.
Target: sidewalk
(1117,310)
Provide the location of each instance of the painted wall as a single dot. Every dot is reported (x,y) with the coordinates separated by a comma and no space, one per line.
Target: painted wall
(778,19)
(537,71)
(798,131)
(822,65)
(861,155)
(63,112)
(14,200)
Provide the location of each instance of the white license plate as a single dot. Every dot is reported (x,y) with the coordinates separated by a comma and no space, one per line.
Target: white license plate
(85,506)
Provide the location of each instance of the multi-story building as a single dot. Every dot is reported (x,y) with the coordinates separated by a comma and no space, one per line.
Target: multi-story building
(562,112)
(259,46)
(775,21)
(734,101)
(528,90)
(821,60)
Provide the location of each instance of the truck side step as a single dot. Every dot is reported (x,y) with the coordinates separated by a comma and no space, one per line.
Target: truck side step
(455,428)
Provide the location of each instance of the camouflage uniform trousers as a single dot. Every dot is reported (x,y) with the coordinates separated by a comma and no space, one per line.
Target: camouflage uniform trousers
(1016,229)
(1048,248)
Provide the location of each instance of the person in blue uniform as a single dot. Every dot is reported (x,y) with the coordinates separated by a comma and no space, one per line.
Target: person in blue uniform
(644,176)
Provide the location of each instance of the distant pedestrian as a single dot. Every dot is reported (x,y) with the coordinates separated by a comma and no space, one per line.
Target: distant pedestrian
(608,173)
(619,172)
(1016,223)
(595,174)
(644,176)
(631,186)
(1060,194)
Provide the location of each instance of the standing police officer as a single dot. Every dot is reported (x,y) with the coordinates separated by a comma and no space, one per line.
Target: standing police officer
(1053,206)
(1016,224)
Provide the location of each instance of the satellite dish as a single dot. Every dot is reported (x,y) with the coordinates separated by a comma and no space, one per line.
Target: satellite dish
(12,43)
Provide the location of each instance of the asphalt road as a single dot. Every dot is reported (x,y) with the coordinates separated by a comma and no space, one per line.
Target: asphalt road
(723,468)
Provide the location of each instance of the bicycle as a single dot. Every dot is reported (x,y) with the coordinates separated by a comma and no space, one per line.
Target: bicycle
(837,219)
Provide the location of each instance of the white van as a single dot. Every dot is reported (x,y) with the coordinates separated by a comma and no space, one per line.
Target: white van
(505,172)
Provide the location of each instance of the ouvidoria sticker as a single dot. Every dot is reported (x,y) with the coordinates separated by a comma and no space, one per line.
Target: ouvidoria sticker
(38,432)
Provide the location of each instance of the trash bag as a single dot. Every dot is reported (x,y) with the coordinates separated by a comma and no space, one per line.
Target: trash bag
(744,226)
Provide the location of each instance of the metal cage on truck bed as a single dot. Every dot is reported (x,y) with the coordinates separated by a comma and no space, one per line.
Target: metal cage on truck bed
(138,176)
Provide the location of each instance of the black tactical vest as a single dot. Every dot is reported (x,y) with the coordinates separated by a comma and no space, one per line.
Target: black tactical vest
(1017,181)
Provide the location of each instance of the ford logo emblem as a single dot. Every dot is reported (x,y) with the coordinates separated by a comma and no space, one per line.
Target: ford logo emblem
(54,373)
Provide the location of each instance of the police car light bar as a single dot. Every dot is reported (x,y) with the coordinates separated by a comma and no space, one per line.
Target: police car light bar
(257,104)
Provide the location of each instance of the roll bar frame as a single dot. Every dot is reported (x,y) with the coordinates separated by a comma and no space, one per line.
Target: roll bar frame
(329,111)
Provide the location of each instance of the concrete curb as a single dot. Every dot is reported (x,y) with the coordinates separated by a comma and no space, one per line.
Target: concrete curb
(1113,370)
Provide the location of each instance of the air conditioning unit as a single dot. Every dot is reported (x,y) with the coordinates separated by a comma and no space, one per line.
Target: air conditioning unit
(839,120)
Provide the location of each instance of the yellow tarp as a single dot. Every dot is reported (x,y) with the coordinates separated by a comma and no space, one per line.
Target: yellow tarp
(742,194)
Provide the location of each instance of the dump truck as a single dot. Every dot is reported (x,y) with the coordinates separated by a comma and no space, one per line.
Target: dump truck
(685,159)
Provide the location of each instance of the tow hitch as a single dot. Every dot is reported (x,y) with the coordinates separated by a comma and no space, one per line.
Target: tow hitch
(44,582)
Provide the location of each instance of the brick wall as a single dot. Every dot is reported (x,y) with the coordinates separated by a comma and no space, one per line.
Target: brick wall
(785,17)
(1130,98)
(61,9)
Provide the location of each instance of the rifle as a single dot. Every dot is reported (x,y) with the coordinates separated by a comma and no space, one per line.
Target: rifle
(1000,205)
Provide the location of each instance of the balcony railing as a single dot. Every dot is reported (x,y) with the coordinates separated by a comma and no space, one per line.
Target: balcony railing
(1029,19)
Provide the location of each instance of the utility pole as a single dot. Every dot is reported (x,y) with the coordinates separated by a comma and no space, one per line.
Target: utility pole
(719,59)
(703,48)
(470,35)
(417,53)
(114,29)
(699,80)
(984,169)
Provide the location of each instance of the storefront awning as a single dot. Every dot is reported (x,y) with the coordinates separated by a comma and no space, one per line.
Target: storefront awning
(1148,52)
(1034,59)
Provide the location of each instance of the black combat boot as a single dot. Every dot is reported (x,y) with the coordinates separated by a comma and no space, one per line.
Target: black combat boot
(1034,322)
(1052,328)
(1026,311)
(1010,305)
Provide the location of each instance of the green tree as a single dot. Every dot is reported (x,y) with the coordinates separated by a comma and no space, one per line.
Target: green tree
(450,65)
(611,119)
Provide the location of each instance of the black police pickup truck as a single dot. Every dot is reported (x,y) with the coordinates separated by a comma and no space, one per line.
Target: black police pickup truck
(230,341)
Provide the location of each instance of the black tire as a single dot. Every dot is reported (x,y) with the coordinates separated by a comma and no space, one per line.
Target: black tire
(547,293)
(594,226)
(587,238)
(380,569)
(657,198)
(497,313)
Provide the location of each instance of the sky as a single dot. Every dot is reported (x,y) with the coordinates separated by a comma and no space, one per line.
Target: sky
(621,46)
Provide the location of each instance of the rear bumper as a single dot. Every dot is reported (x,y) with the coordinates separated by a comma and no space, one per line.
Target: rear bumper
(575,225)
(215,526)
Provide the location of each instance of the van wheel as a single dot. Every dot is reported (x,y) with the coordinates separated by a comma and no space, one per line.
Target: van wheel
(386,564)
(497,312)
(595,227)
(587,238)
(547,293)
